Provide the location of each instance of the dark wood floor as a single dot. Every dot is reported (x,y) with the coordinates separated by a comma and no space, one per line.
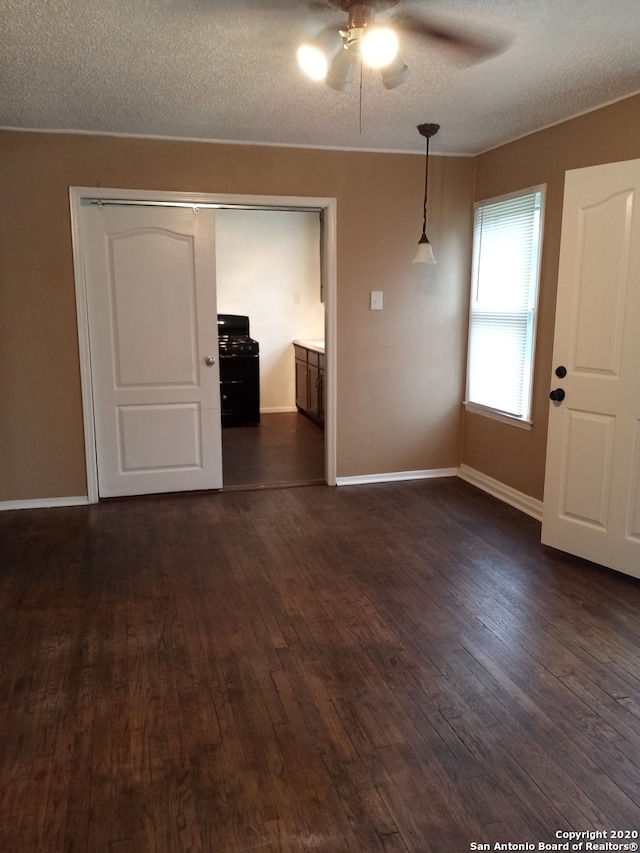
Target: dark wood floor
(398,667)
(285,448)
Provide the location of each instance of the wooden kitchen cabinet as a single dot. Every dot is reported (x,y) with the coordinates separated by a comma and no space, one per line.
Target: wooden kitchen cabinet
(310,382)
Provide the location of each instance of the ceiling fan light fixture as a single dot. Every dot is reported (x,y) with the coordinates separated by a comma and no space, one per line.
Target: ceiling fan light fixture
(394,74)
(379,47)
(315,57)
(342,70)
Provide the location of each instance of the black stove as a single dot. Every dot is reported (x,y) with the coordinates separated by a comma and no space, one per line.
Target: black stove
(239,371)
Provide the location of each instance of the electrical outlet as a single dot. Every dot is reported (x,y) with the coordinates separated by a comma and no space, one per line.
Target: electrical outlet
(376,300)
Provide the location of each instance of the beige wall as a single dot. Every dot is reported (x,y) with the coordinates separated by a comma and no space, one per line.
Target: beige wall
(506,453)
(400,371)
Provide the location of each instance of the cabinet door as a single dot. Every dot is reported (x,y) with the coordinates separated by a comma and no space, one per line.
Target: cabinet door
(302,389)
(321,394)
(313,375)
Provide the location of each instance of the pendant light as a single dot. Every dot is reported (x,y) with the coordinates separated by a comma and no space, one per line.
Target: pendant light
(424,253)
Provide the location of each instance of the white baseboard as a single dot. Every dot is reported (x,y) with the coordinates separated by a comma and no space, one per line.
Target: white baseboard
(525,503)
(396,477)
(277,410)
(44,503)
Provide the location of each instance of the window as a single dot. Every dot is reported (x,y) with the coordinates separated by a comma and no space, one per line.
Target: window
(504,299)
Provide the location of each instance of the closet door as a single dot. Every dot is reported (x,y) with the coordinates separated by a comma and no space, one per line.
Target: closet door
(151,297)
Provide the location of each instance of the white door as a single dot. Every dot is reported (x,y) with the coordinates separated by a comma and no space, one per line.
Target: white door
(592,481)
(151,297)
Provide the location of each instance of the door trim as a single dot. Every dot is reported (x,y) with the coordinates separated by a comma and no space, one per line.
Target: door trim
(328,207)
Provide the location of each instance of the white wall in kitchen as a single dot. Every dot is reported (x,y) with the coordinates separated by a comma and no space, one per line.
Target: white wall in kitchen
(268,267)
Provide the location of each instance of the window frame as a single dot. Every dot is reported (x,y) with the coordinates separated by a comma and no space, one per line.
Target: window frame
(524,421)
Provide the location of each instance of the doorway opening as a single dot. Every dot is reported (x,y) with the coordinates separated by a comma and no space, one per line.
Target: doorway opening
(269,295)
(324,208)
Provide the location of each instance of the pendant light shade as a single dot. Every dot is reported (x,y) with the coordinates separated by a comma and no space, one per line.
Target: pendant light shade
(424,253)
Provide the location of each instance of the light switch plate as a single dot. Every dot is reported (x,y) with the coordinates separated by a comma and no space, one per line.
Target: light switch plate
(376,300)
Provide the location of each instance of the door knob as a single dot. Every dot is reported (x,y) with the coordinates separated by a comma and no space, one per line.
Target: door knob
(557,395)
(209,360)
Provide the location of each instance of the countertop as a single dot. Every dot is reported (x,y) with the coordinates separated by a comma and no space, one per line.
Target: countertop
(316,345)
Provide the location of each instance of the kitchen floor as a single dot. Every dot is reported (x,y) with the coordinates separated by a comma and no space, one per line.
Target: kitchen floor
(285,449)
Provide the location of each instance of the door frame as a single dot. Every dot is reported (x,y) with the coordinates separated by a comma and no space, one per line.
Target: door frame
(328,209)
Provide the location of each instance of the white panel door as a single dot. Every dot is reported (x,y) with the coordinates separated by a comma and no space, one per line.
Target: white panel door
(592,480)
(151,297)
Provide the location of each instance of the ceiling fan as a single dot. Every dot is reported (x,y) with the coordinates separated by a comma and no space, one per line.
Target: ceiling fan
(337,52)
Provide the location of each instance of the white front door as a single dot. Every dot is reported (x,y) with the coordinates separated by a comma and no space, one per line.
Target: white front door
(151,303)
(592,480)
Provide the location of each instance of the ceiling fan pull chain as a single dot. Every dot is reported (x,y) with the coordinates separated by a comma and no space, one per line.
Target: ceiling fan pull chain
(360,102)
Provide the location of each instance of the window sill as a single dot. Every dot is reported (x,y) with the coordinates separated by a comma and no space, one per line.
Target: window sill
(495,415)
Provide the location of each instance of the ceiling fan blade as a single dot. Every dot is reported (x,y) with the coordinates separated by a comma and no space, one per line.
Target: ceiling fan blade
(467,44)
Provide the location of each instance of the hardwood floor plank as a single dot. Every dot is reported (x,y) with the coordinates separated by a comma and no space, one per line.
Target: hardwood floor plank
(393,843)
(78,814)
(34,817)
(14,794)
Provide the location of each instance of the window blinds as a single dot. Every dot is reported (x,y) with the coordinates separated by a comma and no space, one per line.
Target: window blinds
(504,289)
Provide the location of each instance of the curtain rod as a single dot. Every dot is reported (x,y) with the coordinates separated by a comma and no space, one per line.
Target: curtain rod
(104,202)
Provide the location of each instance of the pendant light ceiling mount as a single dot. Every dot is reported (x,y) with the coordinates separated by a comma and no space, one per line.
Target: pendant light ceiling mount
(424,253)
(428,130)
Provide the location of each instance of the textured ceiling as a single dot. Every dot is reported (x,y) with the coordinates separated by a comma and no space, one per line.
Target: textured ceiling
(226,70)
